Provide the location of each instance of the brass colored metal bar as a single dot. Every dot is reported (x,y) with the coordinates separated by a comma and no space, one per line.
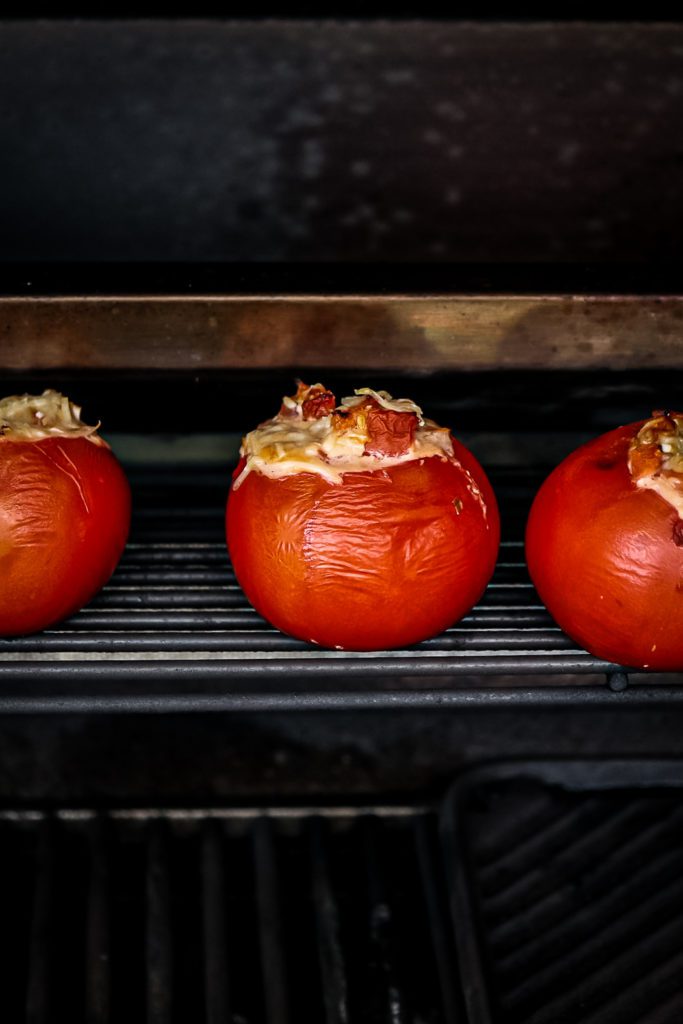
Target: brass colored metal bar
(424,334)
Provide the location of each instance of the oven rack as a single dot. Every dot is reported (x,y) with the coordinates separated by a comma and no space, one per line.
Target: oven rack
(172,631)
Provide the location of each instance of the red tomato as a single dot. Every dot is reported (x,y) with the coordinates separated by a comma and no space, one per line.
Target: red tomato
(605,554)
(64,520)
(380,559)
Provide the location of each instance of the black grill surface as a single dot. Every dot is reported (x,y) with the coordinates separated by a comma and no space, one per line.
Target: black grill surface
(173,622)
(564,882)
(568,896)
(248,917)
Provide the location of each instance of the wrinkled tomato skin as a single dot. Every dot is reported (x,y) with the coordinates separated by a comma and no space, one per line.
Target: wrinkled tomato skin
(381,560)
(64,521)
(603,556)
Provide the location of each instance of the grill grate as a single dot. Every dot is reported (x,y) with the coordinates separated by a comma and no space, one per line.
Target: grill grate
(245,917)
(568,899)
(174,604)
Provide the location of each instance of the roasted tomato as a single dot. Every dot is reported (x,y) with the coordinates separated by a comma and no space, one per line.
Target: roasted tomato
(64,511)
(604,544)
(360,526)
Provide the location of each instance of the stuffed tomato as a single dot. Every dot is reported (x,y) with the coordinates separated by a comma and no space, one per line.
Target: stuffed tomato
(604,544)
(64,511)
(360,526)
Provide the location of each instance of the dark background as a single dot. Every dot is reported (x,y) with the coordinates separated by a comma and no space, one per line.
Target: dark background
(426,141)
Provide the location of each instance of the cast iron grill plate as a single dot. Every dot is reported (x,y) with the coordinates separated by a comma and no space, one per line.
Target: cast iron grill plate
(243,916)
(567,892)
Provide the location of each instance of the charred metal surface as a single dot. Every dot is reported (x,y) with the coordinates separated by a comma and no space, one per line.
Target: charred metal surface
(323,140)
(268,910)
(429,334)
(224,759)
(565,891)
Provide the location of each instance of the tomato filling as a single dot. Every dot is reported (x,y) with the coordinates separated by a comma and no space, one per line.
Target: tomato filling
(311,403)
(389,433)
(367,431)
(35,417)
(655,457)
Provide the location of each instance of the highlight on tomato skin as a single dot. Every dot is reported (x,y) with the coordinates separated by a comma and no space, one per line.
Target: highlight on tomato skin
(604,544)
(64,512)
(360,526)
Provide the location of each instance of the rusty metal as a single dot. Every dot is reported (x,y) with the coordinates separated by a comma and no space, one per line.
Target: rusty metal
(425,334)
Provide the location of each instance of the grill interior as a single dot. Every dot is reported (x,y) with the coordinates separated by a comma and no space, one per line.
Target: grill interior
(568,900)
(243,916)
(563,879)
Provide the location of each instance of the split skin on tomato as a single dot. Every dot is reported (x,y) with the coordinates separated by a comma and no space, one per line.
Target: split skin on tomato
(64,521)
(606,557)
(382,559)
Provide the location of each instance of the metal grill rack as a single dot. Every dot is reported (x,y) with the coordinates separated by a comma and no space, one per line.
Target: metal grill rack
(267,917)
(173,631)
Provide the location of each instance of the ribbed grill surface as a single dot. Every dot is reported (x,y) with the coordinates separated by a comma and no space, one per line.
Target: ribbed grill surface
(578,903)
(174,601)
(250,918)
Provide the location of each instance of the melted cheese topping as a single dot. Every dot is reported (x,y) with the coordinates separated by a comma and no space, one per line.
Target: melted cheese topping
(384,399)
(655,458)
(289,444)
(35,417)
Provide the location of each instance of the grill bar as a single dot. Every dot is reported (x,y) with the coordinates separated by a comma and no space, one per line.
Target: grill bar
(38,988)
(436,898)
(158,950)
(270,925)
(214,931)
(382,927)
(266,640)
(119,619)
(97,929)
(141,702)
(331,957)
(269,664)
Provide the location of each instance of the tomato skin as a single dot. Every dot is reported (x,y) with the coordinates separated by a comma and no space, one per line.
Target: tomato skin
(64,521)
(605,560)
(381,560)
